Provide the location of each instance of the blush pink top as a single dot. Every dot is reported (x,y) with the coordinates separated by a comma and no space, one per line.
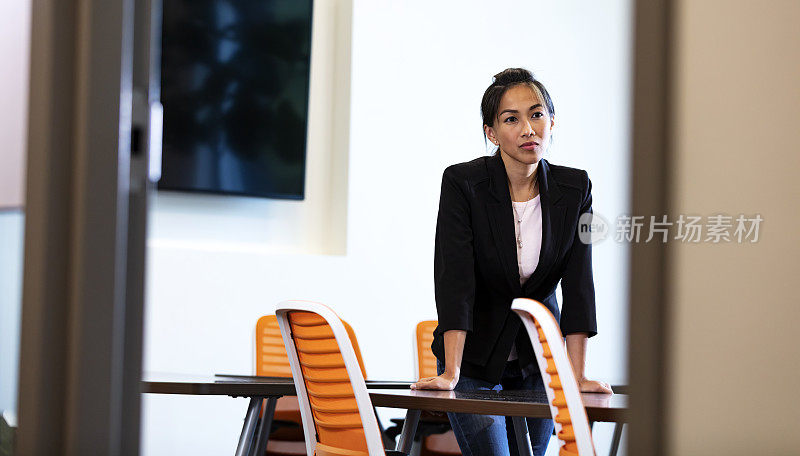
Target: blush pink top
(528,255)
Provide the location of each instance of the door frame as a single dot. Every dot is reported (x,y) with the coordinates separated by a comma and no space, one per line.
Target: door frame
(86,201)
(650,190)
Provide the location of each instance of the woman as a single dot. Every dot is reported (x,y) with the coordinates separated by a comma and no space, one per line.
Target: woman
(508,228)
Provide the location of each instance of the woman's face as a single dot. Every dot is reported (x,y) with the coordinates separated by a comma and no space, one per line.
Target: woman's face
(522,127)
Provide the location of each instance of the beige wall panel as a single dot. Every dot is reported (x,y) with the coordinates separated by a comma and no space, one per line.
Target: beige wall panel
(735,362)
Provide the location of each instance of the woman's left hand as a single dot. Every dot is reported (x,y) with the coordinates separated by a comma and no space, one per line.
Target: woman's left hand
(593,386)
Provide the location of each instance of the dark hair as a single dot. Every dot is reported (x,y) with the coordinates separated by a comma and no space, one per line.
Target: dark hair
(505,80)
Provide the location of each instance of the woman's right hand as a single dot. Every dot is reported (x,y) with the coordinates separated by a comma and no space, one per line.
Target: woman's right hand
(440,382)
(453,349)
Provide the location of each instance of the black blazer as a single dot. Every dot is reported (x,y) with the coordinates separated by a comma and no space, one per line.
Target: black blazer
(475,263)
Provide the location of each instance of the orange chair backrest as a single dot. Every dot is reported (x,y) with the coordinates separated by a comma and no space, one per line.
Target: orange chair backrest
(352,335)
(271,359)
(426,362)
(567,433)
(333,404)
(555,367)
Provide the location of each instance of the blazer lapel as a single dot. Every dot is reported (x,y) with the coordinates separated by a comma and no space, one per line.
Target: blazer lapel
(501,221)
(552,226)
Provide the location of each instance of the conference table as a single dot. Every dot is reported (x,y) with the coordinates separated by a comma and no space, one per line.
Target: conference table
(392,394)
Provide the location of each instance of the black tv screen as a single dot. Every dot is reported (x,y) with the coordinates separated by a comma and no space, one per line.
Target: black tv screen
(234,86)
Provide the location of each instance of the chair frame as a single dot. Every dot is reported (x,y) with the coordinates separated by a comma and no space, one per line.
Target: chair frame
(365,409)
(528,311)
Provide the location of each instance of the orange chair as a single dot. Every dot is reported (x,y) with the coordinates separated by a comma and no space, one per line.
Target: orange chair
(566,405)
(286,439)
(338,416)
(271,361)
(425,365)
(437,444)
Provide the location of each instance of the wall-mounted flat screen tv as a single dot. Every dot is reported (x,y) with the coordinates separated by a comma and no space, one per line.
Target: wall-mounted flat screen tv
(234,86)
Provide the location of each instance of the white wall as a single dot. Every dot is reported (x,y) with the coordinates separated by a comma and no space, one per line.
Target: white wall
(14,49)
(418,72)
(14,65)
(734,356)
(11,234)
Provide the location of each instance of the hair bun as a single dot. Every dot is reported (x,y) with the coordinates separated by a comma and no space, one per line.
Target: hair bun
(513,76)
(505,80)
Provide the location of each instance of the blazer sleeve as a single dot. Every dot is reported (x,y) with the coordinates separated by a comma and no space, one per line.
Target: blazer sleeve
(454,268)
(578,313)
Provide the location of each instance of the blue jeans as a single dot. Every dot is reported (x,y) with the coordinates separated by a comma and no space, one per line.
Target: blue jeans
(490,435)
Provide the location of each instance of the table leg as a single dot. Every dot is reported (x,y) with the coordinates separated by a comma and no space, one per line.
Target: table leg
(615,440)
(246,438)
(262,435)
(409,429)
(523,438)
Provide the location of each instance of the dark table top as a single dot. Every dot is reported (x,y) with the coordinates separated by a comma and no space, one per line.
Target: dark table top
(394,394)
(234,385)
(217,385)
(599,407)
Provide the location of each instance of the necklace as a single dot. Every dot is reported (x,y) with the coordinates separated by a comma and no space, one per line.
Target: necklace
(519,217)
